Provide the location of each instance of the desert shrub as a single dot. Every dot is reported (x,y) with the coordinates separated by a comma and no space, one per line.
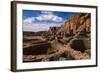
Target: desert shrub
(88,51)
(63,56)
(55,57)
(68,56)
(50,51)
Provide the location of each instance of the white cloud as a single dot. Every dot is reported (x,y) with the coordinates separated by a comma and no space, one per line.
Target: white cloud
(46,12)
(57,19)
(30,25)
(49,16)
(44,16)
(30,19)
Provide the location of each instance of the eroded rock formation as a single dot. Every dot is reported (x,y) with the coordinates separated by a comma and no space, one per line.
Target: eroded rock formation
(70,41)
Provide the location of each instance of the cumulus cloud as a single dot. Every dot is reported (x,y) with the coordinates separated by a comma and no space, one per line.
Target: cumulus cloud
(44,16)
(36,23)
(30,19)
(49,16)
(46,12)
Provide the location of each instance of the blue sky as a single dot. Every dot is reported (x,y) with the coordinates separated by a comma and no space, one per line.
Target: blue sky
(34,20)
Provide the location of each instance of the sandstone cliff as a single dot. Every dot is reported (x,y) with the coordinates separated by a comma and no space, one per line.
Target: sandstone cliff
(77,23)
